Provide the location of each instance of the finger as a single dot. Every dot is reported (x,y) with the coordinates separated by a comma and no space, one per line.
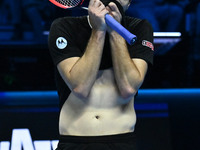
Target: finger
(101,5)
(113,7)
(109,11)
(101,8)
(91,3)
(114,11)
(97,3)
(108,8)
(94,5)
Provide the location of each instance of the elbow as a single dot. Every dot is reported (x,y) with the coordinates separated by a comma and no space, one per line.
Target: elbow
(128,92)
(129,88)
(81,92)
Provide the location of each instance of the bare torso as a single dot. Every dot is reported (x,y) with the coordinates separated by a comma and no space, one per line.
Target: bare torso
(104,112)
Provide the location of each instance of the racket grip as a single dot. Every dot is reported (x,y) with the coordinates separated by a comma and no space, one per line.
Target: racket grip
(111,22)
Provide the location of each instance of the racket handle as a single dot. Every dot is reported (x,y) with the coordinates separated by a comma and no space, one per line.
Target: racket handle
(111,22)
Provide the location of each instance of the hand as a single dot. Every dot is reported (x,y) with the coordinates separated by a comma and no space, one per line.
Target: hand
(114,12)
(97,12)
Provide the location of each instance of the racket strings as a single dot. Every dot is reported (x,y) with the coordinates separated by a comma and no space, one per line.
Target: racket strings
(70,3)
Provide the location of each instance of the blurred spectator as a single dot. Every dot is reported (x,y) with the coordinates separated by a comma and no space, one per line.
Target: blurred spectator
(10,13)
(37,11)
(198,19)
(193,18)
(32,11)
(193,27)
(3,12)
(197,35)
(15,12)
(164,15)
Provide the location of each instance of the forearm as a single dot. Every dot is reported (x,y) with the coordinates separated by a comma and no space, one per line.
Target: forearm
(127,75)
(83,74)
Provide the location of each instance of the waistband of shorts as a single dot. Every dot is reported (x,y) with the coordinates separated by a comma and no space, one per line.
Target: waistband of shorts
(125,137)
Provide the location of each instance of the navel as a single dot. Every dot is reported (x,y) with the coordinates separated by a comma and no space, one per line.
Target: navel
(97,117)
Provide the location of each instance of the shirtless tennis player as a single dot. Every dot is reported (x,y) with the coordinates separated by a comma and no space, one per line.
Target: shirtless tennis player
(98,75)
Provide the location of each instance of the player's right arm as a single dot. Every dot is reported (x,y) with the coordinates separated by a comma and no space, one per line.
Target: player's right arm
(80,73)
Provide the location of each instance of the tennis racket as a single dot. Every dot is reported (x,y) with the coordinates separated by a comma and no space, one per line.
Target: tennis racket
(110,21)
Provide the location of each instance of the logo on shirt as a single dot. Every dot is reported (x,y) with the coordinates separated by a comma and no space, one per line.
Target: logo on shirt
(148,44)
(61,42)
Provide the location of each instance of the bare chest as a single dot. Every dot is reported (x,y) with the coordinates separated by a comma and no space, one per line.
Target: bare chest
(105,93)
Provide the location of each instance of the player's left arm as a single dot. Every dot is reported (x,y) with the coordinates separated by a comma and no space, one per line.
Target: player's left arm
(129,73)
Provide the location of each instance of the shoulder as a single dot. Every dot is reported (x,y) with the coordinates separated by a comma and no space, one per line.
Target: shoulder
(132,22)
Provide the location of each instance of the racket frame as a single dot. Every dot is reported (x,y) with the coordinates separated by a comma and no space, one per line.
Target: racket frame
(65,6)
